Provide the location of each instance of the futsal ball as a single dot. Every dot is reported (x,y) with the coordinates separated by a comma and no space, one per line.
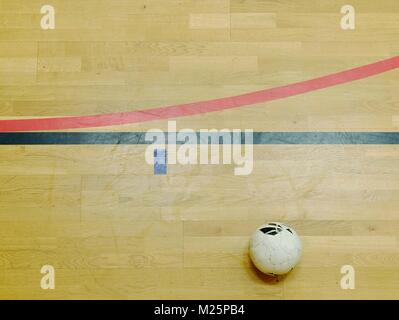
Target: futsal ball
(275,248)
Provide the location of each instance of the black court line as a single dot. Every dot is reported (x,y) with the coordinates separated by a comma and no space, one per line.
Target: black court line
(113,138)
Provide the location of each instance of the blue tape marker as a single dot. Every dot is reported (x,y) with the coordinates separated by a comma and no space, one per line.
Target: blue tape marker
(160,165)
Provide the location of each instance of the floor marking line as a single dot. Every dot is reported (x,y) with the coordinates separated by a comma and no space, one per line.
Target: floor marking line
(137,138)
(195,108)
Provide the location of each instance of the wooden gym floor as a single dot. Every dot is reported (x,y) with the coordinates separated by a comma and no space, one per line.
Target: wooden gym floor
(113,229)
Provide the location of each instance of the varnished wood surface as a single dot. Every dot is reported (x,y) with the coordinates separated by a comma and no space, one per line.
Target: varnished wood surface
(112,229)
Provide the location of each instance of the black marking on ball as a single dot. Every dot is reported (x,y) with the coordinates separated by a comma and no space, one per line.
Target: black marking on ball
(267,229)
(289,231)
(271,229)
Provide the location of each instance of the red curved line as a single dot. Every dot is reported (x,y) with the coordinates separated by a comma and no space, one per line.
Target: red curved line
(194,108)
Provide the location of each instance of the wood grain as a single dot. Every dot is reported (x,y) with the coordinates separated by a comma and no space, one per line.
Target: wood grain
(114,230)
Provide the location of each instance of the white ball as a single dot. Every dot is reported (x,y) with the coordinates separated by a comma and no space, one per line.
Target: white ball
(275,248)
